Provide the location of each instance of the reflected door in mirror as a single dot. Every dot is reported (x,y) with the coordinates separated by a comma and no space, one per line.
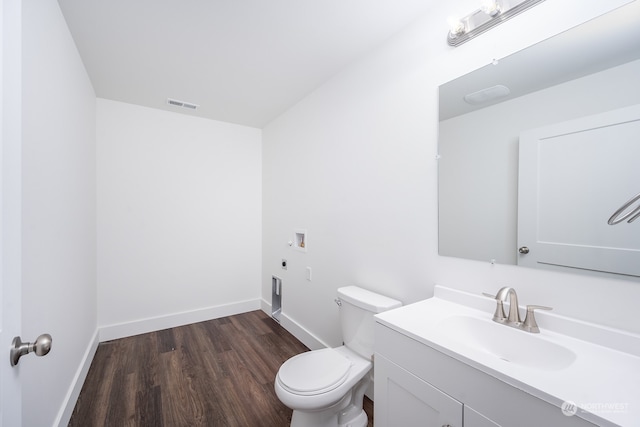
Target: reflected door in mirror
(572,176)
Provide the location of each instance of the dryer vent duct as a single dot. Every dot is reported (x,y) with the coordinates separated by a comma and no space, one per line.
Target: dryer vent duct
(187,105)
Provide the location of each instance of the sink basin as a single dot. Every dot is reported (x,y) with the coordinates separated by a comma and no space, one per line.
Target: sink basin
(506,343)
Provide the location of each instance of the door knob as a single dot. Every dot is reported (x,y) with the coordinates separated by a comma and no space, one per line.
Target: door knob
(524,250)
(40,347)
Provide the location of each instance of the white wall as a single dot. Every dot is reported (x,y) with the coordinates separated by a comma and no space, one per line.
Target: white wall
(58,211)
(354,163)
(179,218)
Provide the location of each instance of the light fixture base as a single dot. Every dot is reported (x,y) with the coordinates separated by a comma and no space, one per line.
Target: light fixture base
(479,21)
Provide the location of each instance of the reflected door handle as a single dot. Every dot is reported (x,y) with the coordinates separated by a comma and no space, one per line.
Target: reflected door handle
(524,250)
(41,347)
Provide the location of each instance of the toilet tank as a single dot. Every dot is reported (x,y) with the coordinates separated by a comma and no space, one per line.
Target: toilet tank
(358,306)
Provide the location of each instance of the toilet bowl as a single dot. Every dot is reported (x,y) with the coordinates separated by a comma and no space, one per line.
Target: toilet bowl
(325,388)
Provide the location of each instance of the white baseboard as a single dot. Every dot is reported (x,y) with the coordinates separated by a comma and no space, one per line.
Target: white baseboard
(295,329)
(69,402)
(143,326)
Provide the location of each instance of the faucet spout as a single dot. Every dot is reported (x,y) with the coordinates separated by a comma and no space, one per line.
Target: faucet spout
(513,320)
(514,312)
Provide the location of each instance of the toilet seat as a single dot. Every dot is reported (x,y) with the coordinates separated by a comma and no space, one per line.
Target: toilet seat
(314,372)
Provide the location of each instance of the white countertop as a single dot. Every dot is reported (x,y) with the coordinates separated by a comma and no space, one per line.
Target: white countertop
(600,373)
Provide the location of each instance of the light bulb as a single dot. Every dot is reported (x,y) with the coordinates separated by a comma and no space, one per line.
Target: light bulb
(490,7)
(456,26)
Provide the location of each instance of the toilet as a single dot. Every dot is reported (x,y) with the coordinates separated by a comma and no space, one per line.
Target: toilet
(326,387)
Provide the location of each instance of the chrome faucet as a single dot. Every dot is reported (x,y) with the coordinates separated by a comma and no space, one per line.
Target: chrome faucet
(513,319)
(514,312)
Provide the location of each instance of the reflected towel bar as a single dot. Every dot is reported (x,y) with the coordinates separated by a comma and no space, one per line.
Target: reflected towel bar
(634,214)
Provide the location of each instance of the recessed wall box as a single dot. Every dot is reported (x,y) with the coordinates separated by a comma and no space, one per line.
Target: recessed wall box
(300,240)
(276,298)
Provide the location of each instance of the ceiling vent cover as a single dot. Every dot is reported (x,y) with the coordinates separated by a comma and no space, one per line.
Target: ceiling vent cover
(187,105)
(486,95)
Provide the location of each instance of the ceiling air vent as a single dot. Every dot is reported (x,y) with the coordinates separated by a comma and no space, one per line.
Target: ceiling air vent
(486,95)
(182,104)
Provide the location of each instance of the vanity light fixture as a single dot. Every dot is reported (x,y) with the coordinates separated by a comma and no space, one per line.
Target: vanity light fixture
(490,14)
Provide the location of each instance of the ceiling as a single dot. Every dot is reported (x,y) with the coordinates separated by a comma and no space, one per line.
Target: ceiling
(241,61)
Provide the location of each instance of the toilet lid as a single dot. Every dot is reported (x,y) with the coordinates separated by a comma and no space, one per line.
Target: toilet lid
(314,372)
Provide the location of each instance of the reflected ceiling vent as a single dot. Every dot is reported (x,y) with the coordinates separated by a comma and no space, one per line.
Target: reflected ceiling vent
(486,95)
(187,105)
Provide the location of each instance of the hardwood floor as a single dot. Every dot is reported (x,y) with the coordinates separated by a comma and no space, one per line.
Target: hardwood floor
(214,373)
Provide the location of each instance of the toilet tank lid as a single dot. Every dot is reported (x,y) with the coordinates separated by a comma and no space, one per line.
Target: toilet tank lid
(367,300)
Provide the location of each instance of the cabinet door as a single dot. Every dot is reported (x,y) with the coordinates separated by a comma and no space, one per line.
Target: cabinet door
(402,399)
(474,419)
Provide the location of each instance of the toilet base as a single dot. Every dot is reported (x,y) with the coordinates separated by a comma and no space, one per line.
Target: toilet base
(348,412)
(360,420)
(329,418)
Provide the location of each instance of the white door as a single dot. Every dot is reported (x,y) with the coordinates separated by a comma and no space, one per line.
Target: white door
(572,177)
(10,212)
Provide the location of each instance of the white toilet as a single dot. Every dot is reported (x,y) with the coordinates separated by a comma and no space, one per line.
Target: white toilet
(326,387)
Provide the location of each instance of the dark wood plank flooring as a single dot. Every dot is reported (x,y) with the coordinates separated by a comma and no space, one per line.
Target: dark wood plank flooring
(214,373)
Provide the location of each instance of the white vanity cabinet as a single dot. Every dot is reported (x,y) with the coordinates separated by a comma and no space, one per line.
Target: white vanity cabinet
(417,385)
(410,401)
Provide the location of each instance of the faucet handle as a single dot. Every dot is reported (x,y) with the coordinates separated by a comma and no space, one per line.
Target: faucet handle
(499,315)
(529,323)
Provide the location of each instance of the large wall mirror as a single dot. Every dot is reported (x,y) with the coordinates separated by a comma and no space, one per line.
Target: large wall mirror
(538,151)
